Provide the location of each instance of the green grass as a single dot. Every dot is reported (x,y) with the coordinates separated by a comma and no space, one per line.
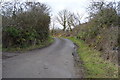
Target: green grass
(95,66)
(17,49)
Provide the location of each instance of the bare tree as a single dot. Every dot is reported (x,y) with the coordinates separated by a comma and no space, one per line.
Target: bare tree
(78,18)
(62,18)
(68,19)
(95,7)
(73,20)
(103,13)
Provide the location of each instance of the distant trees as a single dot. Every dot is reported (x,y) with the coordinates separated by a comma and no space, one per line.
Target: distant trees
(68,19)
(104,13)
(102,16)
(24,23)
(62,18)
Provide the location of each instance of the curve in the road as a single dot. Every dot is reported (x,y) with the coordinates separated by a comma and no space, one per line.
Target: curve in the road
(55,61)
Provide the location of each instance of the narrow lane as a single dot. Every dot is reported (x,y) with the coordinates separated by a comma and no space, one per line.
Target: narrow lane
(54,61)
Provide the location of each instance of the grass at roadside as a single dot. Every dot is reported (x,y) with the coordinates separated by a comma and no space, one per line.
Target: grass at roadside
(95,66)
(47,43)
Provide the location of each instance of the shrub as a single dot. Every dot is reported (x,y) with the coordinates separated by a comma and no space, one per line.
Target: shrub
(27,26)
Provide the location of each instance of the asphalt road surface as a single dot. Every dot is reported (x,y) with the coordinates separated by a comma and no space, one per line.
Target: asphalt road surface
(54,61)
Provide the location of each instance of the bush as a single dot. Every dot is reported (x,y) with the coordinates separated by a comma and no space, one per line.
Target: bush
(25,28)
(22,37)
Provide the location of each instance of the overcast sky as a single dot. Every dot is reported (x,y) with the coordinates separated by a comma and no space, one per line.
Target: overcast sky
(76,6)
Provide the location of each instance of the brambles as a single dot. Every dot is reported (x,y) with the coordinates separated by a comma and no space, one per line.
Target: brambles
(102,29)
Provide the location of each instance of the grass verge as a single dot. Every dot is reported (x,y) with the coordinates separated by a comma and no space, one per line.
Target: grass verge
(46,43)
(95,66)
